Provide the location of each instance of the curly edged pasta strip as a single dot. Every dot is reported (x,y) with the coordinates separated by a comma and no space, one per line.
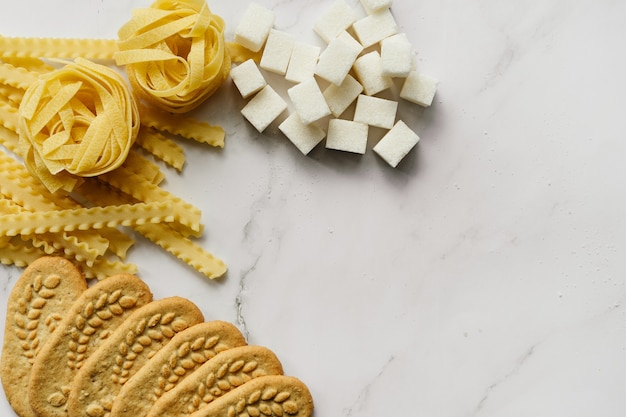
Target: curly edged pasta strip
(161,234)
(85,218)
(24,47)
(174,53)
(185,127)
(20,254)
(34,65)
(186,215)
(78,121)
(161,147)
(18,77)
(25,191)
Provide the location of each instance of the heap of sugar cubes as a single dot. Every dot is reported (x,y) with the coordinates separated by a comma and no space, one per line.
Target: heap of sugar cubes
(361,58)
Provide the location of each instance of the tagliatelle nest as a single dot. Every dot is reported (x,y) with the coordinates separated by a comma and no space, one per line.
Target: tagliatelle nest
(174,53)
(77,121)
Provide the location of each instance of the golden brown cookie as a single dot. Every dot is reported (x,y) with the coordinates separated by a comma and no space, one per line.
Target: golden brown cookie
(268,396)
(129,347)
(38,301)
(87,324)
(186,352)
(225,372)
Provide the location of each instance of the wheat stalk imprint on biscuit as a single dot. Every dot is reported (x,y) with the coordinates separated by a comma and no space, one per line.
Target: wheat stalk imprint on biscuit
(186,358)
(141,337)
(28,316)
(227,377)
(268,402)
(86,324)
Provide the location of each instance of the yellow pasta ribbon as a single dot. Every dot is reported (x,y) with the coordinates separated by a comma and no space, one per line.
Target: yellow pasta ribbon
(78,121)
(174,53)
(57,48)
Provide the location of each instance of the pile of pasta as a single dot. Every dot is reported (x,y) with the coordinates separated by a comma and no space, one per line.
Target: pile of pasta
(81,170)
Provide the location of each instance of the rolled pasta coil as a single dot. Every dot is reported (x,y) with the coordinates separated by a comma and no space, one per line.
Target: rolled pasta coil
(174,53)
(78,121)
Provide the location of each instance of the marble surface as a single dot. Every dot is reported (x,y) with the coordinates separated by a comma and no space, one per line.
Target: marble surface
(482,277)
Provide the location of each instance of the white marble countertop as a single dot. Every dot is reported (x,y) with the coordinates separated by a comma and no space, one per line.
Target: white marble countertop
(484,276)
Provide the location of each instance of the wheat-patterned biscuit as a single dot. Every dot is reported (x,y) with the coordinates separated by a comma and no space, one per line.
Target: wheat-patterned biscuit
(186,352)
(38,300)
(268,396)
(86,325)
(225,372)
(133,343)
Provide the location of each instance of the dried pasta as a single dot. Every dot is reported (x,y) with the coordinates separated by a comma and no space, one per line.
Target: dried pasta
(19,47)
(78,121)
(17,77)
(161,147)
(20,254)
(174,54)
(167,238)
(143,167)
(186,215)
(85,218)
(76,130)
(29,64)
(183,126)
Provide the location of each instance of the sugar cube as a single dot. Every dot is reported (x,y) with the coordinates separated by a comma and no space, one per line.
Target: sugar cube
(396,144)
(347,135)
(339,17)
(254,27)
(339,97)
(264,108)
(247,78)
(419,89)
(308,101)
(277,52)
(396,55)
(302,63)
(375,27)
(375,111)
(337,58)
(304,137)
(369,70)
(372,6)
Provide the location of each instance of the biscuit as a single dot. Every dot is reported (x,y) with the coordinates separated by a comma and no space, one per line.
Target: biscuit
(225,372)
(172,364)
(122,355)
(87,324)
(44,292)
(272,395)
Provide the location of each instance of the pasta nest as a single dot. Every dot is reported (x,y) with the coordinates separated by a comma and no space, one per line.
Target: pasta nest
(174,54)
(77,121)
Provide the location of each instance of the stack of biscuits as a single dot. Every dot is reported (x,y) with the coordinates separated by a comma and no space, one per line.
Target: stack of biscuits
(110,350)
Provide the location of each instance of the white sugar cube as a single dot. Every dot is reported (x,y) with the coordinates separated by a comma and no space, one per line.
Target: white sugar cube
(254,27)
(369,70)
(376,111)
(337,58)
(339,97)
(372,6)
(347,135)
(247,78)
(308,101)
(304,137)
(264,108)
(396,144)
(302,63)
(396,55)
(419,89)
(339,17)
(277,52)
(375,27)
